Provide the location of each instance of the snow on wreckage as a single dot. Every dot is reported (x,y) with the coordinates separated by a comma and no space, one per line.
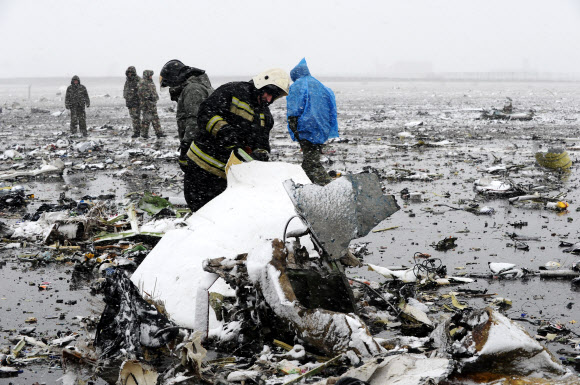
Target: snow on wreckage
(256,198)
(275,290)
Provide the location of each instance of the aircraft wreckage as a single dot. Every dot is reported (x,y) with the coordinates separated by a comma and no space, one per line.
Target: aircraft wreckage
(262,264)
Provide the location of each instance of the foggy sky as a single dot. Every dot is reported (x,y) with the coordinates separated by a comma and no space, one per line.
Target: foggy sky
(345,38)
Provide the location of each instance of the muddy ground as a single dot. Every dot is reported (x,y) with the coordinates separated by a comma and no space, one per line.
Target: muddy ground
(371,116)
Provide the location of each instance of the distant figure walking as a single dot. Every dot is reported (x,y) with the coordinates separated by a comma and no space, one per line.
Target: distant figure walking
(131,95)
(76,99)
(148,97)
(311,119)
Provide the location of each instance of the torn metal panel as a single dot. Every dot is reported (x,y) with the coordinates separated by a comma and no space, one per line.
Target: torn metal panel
(495,343)
(56,167)
(399,368)
(328,332)
(193,354)
(345,209)
(129,324)
(137,373)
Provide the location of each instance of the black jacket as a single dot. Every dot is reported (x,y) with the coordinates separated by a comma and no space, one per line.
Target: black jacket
(230,118)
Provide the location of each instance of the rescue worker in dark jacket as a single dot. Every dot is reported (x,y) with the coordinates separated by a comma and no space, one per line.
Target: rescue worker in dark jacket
(235,118)
(148,98)
(75,100)
(188,86)
(131,95)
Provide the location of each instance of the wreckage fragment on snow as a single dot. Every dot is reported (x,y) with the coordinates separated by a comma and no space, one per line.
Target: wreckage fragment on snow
(403,369)
(406,276)
(488,186)
(323,323)
(129,324)
(56,167)
(138,373)
(494,343)
(495,114)
(345,209)
(253,210)
(324,326)
(331,332)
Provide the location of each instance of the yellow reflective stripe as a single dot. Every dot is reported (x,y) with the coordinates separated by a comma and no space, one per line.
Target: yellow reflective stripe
(216,128)
(212,121)
(201,163)
(262,120)
(208,168)
(242,113)
(244,106)
(194,152)
(241,109)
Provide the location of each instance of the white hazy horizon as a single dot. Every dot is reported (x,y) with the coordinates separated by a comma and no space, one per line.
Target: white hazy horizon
(54,38)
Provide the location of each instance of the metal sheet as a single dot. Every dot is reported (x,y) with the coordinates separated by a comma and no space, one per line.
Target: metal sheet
(345,209)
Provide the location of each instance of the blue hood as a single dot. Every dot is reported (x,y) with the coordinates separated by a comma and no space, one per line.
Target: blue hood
(313,104)
(300,70)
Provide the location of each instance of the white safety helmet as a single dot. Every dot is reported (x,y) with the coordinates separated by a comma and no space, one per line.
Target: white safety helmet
(273,77)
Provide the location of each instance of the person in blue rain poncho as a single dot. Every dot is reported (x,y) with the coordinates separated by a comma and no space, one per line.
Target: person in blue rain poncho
(311,119)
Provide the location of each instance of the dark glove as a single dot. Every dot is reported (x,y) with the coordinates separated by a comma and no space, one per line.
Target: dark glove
(261,155)
(296,136)
(230,136)
(183,148)
(293,124)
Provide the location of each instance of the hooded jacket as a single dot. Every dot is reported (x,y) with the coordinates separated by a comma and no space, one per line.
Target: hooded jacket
(196,89)
(76,95)
(230,118)
(147,92)
(131,89)
(313,104)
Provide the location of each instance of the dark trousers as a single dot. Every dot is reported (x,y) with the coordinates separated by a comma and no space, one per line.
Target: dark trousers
(200,186)
(311,163)
(78,117)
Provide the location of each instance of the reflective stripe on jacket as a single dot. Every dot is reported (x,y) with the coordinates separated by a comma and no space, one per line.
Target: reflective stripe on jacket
(233,118)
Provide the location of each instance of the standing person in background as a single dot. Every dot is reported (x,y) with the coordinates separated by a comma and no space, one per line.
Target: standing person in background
(75,100)
(311,119)
(148,98)
(131,95)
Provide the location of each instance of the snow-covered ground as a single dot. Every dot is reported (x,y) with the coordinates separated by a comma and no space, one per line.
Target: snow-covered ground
(372,117)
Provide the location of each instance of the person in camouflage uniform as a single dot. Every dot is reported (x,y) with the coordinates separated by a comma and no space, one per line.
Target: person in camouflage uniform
(75,100)
(188,86)
(148,97)
(131,95)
